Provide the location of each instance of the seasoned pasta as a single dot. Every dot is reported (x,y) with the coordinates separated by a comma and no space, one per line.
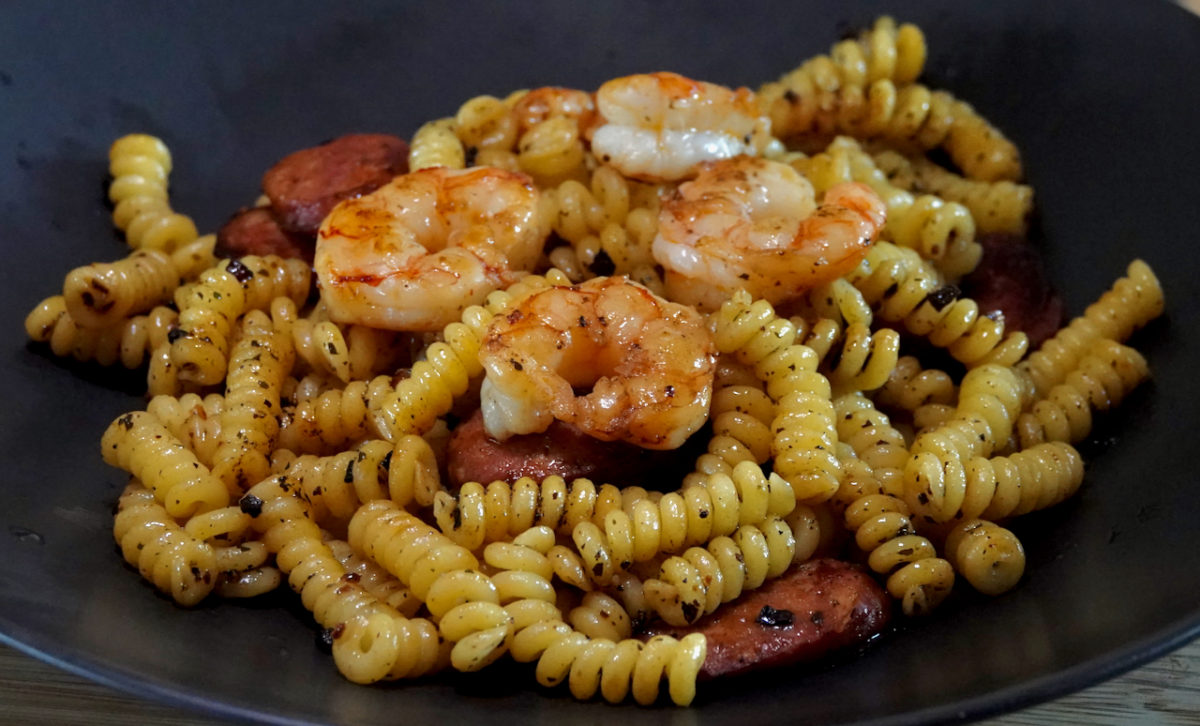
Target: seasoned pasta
(862,409)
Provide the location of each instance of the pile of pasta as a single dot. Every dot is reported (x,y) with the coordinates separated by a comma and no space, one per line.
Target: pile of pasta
(279,445)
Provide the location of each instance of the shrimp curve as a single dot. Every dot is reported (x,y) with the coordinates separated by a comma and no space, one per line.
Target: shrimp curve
(413,254)
(659,126)
(748,223)
(645,365)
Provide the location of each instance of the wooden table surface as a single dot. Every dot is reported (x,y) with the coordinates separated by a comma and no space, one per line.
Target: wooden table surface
(1164,692)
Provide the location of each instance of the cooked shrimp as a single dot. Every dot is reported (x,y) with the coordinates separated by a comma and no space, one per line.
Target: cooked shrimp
(659,126)
(752,224)
(413,254)
(646,365)
(542,103)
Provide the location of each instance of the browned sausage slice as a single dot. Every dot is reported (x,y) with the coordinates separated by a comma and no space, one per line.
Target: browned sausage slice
(305,185)
(1011,278)
(256,232)
(814,609)
(561,450)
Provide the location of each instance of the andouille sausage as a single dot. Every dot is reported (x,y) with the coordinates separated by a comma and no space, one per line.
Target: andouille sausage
(256,232)
(814,609)
(561,450)
(1011,278)
(305,185)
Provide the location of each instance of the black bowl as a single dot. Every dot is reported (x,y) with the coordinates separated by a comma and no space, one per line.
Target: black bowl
(1101,97)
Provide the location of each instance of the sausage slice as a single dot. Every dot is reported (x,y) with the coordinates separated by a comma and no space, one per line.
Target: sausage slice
(815,608)
(305,185)
(257,232)
(1011,279)
(561,450)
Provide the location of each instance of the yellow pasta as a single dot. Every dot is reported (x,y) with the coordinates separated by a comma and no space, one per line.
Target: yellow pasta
(139,444)
(210,308)
(996,206)
(908,291)
(139,164)
(989,556)
(130,341)
(285,438)
(248,424)
(177,563)
(435,144)
(697,582)
(916,575)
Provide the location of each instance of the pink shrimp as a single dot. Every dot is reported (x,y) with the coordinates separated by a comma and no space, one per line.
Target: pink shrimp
(748,223)
(413,254)
(646,365)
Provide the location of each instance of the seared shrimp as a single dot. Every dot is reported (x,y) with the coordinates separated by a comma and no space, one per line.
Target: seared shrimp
(659,126)
(540,104)
(608,356)
(752,224)
(413,254)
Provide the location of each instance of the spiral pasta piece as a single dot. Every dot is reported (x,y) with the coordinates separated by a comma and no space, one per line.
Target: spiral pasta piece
(435,144)
(615,669)
(354,354)
(838,301)
(1132,302)
(192,419)
(374,579)
(371,640)
(802,96)
(499,511)
(129,342)
(328,421)
(714,506)
(140,164)
(875,442)
(552,149)
(805,436)
(139,444)
(249,423)
(209,308)
(865,360)
(987,555)
(405,473)
(221,527)
(916,576)
(908,291)
(574,210)
(740,415)
(993,488)
(996,206)
(464,602)
(1101,380)
(989,400)
(610,224)
(601,616)
(696,583)
(178,564)
(101,294)
(486,122)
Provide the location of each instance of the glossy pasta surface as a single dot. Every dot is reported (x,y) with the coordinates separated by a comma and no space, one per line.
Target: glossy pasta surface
(877,415)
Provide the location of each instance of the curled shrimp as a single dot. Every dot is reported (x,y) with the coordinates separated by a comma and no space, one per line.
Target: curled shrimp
(413,254)
(543,103)
(659,126)
(752,224)
(608,356)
